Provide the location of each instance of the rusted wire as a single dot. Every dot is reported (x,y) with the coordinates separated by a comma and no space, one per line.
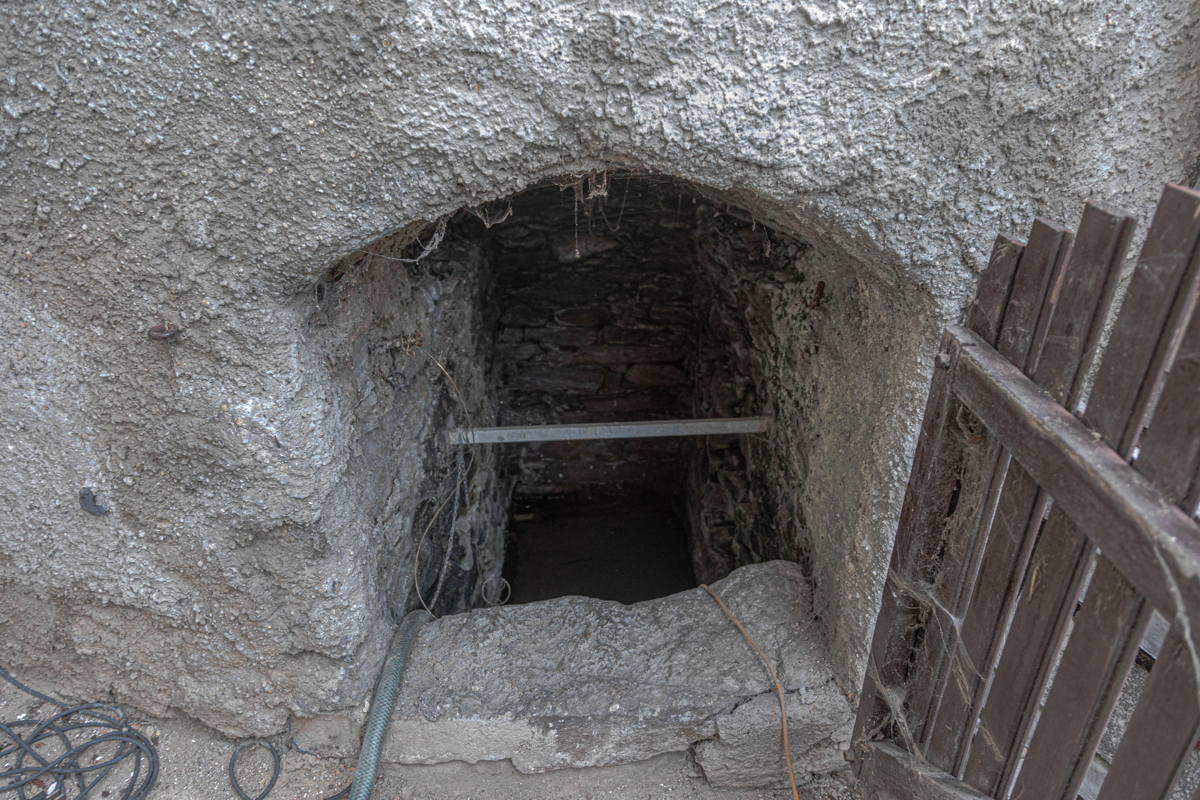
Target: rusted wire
(783,723)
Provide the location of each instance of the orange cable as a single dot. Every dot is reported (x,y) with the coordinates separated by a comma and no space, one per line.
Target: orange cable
(787,751)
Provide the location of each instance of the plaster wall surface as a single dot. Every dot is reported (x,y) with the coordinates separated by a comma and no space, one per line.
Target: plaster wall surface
(206,163)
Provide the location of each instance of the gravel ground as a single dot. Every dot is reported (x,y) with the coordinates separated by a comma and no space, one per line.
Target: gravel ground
(193,766)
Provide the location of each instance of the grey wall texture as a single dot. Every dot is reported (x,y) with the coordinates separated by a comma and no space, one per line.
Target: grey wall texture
(207,163)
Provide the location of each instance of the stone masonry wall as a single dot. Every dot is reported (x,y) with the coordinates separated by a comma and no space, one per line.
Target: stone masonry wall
(794,331)
(408,335)
(743,502)
(594,285)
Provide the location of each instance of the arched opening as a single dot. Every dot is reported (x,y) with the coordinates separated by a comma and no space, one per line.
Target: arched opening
(628,297)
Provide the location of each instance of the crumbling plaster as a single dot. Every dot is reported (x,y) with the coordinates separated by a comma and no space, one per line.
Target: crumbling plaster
(206,163)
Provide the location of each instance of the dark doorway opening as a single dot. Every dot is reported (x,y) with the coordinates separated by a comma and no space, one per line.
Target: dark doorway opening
(593,286)
(602,295)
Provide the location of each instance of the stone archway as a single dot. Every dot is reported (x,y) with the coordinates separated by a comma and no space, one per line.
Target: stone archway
(540,318)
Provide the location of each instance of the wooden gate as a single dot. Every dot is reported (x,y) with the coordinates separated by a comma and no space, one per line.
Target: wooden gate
(1044,525)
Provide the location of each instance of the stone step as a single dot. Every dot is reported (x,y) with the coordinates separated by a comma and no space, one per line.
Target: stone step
(577,682)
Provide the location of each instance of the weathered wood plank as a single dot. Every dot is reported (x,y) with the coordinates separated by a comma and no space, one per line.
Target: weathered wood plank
(1029,651)
(891,644)
(986,313)
(1164,725)
(890,773)
(1123,513)
(1025,320)
(1083,296)
(1147,329)
(1029,625)
(938,684)
(1162,730)
(930,489)
(1170,454)
(1017,519)
(980,584)
(1135,355)
(1099,652)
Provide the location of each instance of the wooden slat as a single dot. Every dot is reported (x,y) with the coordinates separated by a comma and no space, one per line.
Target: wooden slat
(1164,725)
(937,684)
(927,496)
(1170,247)
(1029,651)
(1018,333)
(890,773)
(991,295)
(1017,520)
(1175,434)
(1130,520)
(1171,448)
(890,646)
(1100,650)
(1012,327)
(980,585)
(1149,325)
(1081,296)
(1162,730)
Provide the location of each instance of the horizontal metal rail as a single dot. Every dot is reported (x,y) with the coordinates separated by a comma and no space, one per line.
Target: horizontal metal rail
(610,430)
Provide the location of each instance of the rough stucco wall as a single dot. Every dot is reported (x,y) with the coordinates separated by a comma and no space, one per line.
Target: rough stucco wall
(208,163)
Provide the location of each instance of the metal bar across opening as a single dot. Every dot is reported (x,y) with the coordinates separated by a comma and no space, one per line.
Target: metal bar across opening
(610,430)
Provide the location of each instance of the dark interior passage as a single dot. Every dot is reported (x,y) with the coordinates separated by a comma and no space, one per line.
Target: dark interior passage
(611,301)
(627,548)
(596,323)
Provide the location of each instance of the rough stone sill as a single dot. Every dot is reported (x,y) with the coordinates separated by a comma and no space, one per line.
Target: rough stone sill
(576,682)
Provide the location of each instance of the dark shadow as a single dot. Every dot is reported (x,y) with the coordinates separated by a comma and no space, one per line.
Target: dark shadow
(627,547)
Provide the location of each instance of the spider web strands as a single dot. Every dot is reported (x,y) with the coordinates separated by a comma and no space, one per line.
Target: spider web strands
(982,671)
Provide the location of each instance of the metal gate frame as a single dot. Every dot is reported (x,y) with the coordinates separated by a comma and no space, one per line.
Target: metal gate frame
(1040,532)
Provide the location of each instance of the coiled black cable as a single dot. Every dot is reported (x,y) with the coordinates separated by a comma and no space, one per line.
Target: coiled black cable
(75,731)
(276,769)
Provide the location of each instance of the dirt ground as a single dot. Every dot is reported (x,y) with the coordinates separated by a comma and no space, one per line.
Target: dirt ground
(194,763)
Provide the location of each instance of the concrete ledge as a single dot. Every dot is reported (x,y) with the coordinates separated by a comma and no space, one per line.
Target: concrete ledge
(577,682)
